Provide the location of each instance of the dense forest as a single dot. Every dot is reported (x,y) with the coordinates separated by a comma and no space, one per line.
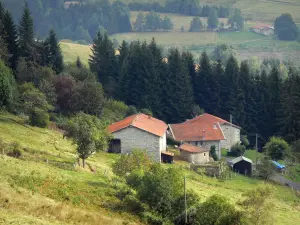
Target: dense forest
(77,21)
(174,87)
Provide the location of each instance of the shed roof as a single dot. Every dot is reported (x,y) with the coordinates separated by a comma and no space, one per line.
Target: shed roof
(262,26)
(141,121)
(192,148)
(240,158)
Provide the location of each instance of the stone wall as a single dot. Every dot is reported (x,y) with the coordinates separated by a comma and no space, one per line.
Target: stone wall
(232,135)
(134,138)
(207,145)
(196,158)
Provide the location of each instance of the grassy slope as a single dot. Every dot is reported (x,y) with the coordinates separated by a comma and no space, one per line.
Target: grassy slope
(71,51)
(35,192)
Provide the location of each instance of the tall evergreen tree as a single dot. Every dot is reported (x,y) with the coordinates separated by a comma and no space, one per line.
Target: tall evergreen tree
(215,98)
(103,62)
(179,94)
(26,34)
(11,39)
(53,52)
(203,83)
(213,21)
(290,107)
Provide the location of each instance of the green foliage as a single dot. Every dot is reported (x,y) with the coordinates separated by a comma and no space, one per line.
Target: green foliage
(257,206)
(213,153)
(127,163)
(88,133)
(245,141)
(160,188)
(277,148)
(38,117)
(214,209)
(237,20)
(238,149)
(285,28)
(213,21)
(196,25)
(114,111)
(7,86)
(14,150)
(296,149)
(265,168)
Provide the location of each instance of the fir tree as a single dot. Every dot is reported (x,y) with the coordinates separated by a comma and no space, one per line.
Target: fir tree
(203,82)
(213,21)
(26,34)
(54,54)
(79,63)
(11,39)
(215,98)
(103,62)
(179,94)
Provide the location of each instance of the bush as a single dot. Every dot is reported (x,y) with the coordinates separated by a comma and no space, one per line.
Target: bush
(172,141)
(191,218)
(39,118)
(277,148)
(153,219)
(265,168)
(14,150)
(238,149)
(213,153)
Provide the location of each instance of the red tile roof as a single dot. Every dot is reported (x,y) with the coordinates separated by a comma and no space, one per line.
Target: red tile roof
(201,128)
(192,148)
(262,26)
(141,121)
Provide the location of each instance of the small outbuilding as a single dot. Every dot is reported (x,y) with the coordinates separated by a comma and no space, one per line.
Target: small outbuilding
(167,157)
(194,154)
(242,165)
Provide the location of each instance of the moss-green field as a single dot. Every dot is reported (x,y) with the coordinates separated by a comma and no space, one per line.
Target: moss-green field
(44,187)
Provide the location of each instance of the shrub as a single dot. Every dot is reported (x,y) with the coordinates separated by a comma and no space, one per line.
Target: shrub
(277,148)
(153,219)
(137,160)
(191,218)
(213,153)
(265,168)
(14,150)
(39,118)
(238,149)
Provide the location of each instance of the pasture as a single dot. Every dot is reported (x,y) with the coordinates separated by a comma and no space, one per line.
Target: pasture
(43,187)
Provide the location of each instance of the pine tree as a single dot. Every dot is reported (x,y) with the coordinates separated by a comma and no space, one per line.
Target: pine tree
(11,39)
(179,89)
(213,21)
(26,34)
(79,63)
(275,87)
(290,107)
(215,98)
(103,62)
(139,24)
(54,54)
(203,83)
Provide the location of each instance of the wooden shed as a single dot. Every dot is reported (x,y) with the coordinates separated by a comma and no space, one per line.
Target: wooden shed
(242,165)
(167,157)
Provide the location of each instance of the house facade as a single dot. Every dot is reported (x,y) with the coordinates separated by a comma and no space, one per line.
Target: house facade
(139,131)
(206,131)
(263,29)
(194,154)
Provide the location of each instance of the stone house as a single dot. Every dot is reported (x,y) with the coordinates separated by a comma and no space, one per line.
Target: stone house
(263,29)
(139,131)
(205,131)
(194,154)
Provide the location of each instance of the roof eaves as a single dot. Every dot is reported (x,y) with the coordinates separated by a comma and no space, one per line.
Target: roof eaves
(169,125)
(221,130)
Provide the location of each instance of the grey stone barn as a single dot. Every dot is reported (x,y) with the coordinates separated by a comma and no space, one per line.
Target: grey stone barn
(139,131)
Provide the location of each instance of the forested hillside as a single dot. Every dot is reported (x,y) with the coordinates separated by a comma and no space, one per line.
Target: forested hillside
(77,21)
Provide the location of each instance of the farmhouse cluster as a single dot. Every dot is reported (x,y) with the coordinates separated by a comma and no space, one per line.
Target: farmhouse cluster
(196,136)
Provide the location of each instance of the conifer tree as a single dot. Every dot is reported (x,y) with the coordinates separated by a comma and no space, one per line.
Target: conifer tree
(213,21)
(79,63)
(26,34)
(103,62)
(215,99)
(203,82)
(179,94)
(290,107)
(11,39)
(54,54)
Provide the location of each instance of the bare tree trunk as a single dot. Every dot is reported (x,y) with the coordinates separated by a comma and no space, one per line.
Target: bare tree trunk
(83,162)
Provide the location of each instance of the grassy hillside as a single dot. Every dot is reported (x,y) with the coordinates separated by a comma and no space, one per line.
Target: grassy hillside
(72,50)
(43,187)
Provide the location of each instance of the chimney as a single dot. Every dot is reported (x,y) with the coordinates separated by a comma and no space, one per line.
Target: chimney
(203,135)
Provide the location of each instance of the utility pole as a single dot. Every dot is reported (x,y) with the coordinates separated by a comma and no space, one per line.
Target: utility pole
(231,138)
(185,205)
(256,148)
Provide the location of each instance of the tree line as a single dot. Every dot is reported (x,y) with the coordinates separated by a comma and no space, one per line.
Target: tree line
(184,7)
(76,22)
(174,87)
